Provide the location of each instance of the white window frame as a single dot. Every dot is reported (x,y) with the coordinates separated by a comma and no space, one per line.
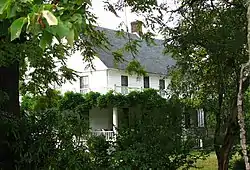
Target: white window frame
(124,86)
(201,118)
(84,82)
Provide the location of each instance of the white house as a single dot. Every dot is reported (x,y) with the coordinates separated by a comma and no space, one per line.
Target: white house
(110,76)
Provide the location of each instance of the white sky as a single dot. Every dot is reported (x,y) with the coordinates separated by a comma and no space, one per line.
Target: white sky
(109,20)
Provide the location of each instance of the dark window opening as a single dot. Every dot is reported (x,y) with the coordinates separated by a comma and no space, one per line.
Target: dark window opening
(162,84)
(124,81)
(146,82)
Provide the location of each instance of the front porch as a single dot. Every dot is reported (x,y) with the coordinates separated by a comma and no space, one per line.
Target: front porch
(104,122)
(109,135)
(107,121)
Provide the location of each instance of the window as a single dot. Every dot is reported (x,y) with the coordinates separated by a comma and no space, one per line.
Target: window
(84,82)
(124,84)
(146,82)
(124,81)
(200,118)
(162,84)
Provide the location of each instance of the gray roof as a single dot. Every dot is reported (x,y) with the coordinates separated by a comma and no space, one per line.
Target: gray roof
(151,57)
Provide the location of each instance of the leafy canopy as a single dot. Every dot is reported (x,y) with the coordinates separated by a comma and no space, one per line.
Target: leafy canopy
(46,19)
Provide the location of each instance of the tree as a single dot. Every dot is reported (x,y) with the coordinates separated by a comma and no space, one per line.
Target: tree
(55,26)
(52,25)
(209,44)
(242,79)
(209,47)
(32,23)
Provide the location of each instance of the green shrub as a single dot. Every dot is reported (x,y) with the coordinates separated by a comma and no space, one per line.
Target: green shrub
(99,152)
(56,135)
(71,100)
(238,164)
(46,141)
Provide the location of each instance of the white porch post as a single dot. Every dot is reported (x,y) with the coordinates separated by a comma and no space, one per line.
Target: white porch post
(201,143)
(115,120)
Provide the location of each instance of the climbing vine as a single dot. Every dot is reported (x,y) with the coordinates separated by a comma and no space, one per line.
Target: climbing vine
(71,100)
(151,140)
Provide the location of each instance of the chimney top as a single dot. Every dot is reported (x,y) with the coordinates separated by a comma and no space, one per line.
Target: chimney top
(136,27)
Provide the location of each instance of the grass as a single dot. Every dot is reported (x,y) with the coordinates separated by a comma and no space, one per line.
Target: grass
(208,164)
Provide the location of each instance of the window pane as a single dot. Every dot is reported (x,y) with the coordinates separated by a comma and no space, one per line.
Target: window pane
(84,82)
(201,118)
(124,80)
(162,84)
(146,82)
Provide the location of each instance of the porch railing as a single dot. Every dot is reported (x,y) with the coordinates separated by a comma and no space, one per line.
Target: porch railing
(125,89)
(101,90)
(109,135)
(121,89)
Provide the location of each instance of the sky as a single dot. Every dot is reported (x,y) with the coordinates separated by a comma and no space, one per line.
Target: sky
(109,20)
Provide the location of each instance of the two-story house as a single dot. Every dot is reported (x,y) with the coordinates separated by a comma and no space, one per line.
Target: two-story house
(109,75)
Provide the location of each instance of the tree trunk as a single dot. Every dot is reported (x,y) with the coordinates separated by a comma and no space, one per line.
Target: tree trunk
(223,153)
(223,148)
(9,84)
(223,160)
(241,120)
(240,99)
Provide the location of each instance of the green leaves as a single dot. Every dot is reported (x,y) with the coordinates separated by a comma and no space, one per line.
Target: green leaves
(51,19)
(3,5)
(46,39)
(134,67)
(70,37)
(64,20)
(16,27)
(88,2)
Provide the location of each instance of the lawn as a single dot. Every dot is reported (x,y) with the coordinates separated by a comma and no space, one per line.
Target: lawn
(208,164)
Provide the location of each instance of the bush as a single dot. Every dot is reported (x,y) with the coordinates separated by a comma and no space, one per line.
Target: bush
(55,136)
(99,152)
(154,140)
(238,164)
(46,141)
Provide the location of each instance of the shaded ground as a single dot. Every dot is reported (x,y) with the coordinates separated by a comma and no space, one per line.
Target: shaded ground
(209,164)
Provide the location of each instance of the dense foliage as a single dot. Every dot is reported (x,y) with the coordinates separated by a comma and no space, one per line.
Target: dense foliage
(209,43)
(153,138)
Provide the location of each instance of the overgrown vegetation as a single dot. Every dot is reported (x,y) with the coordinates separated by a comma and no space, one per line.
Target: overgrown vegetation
(209,43)
(53,137)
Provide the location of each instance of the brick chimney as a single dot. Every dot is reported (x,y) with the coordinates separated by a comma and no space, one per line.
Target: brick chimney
(136,27)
